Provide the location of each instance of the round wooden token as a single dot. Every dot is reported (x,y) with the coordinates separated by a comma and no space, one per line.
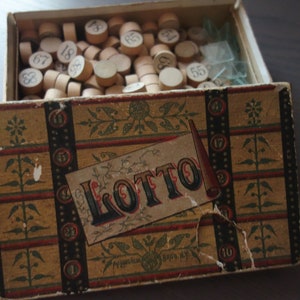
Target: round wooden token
(196,73)
(164,59)
(92,83)
(82,45)
(145,70)
(142,60)
(114,25)
(54,94)
(136,87)
(96,31)
(198,35)
(114,90)
(80,68)
(157,48)
(105,72)
(168,20)
(62,82)
(41,60)
(111,41)
(30,35)
(170,78)
(131,78)
(168,36)
(25,52)
(92,52)
(69,32)
(206,85)
(74,89)
(91,92)
(66,51)
(153,88)
(50,45)
(123,63)
(107,53)
(150,27)
(31,81)
(49,79)
(31,97)
(186,51)
(130,26)
(131,42)
(150,79)
(149,40)
(49,29)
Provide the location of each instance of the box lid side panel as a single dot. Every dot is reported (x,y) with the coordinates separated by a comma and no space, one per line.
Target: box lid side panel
(254,224)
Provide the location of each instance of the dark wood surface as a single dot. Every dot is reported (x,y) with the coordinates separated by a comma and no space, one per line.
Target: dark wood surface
(276,26)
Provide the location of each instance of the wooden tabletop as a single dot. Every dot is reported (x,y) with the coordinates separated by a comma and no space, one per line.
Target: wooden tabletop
(276,26)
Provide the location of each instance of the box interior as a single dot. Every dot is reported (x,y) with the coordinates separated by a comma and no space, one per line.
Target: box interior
(188,12)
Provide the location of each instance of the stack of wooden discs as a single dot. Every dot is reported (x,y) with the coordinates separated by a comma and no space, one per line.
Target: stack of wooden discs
(112,56)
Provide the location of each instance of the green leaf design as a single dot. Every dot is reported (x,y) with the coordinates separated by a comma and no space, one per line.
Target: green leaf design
(151,125)
(137,244)
(92,113)
(20,278)
(109,111)
(165,108)
(256,250)
(195,255)
(18,257)
(36,228)
(263,140)
(13,210)
(40,276)
(176,241)
(15,230)
(33,208)
(26,159)
(167,124)
(250,205)
(9,163)
(269,203)
(248,162)
(273,248)
(246,142)
(250,186)
(107,265)
(93,130)
(270,228)
(30,182)
(37,255)
(13,183)
(161,242)
(127,127)
(266,185)
(123,247)
(253,230)
(265,160)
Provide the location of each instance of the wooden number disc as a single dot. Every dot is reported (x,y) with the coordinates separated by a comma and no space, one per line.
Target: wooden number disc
(80,69)
(41,60)
(164,59)
(131,42)
(170,78)
(196,73)
(67,51)
(96,31)
(31,81)
(105,72)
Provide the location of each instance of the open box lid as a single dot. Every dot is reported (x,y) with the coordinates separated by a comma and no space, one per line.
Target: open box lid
(232,10)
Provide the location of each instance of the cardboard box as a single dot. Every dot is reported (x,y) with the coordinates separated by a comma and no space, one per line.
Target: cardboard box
(124,156)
